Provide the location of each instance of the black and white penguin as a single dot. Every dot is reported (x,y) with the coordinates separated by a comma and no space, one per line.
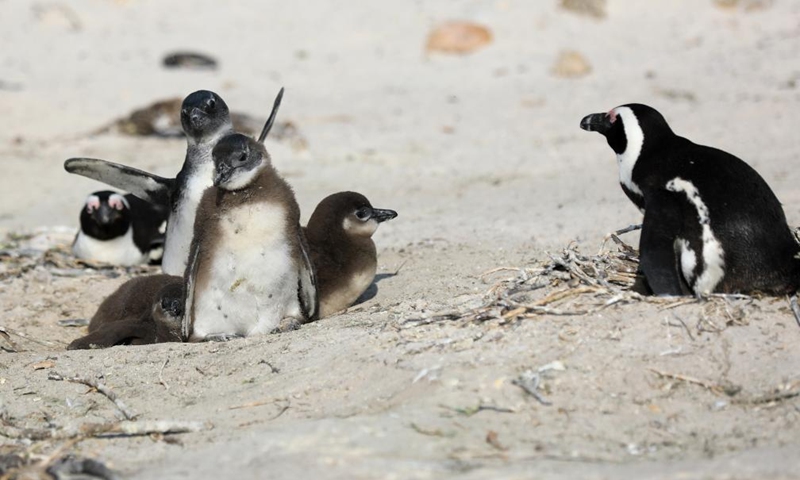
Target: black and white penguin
(711,223)
(339,235)
(141,311)
(205,119)
(119,229)
(249,270)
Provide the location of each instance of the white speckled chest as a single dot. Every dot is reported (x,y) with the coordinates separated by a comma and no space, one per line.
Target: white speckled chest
(253,281)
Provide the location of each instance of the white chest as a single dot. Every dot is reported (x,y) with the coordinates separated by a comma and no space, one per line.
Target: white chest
(117,251)
(181,223)
(253,278)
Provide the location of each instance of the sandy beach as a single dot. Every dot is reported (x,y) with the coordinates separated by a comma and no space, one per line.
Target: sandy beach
(482,156)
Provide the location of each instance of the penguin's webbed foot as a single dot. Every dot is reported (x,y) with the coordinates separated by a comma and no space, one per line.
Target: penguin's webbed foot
(288,324)
(221,337)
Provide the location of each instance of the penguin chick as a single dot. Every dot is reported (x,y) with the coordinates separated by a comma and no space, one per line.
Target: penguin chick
(141,311)
(249,268)
(711,223)
(339,236)
(119,229)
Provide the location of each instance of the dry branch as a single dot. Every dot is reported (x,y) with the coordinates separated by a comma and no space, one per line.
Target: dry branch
(101,388)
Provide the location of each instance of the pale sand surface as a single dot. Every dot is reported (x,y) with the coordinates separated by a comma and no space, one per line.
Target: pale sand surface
(482,157)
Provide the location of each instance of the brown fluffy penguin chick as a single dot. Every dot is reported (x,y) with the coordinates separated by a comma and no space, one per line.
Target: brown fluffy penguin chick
(141,311)
(249,271)
(339,235)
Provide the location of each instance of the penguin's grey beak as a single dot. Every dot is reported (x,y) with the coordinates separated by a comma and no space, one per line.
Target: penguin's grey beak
(382,215)
(223,174)
(596,122)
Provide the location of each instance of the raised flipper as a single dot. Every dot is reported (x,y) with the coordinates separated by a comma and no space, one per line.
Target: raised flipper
(658,260)
(271,119)
(152,188)
(123,332)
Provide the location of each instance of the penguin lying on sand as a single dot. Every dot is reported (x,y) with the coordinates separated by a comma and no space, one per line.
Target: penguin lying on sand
(339,235)
(205,119)
(119,229)
(142,310)
(711,223)
(249,270)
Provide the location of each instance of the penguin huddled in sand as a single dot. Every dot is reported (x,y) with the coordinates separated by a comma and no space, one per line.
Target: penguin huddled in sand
(141,311)
(711,223)
(205,119)
(249,270)
(119,229)
(339,235)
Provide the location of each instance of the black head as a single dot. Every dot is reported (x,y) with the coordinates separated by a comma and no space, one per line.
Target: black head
(630,123)
(168,311)
(237,161)
(171,300)
(105,215)
(350,211)
(204,114)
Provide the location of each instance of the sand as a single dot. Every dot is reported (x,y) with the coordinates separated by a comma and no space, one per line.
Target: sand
(482,157)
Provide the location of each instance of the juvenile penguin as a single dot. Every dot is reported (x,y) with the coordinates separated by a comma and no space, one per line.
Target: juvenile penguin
(711,223)
(142,310)
(339,235)
(119,229)
(249,270)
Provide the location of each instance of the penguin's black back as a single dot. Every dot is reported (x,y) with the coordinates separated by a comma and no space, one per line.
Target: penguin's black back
(147,221)
(745,215)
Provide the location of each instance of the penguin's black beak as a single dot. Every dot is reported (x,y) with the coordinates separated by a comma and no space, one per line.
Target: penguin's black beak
(103,214)
(596,122)
(382,215)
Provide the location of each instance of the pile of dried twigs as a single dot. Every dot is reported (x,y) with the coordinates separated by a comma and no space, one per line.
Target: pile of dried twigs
(569,283)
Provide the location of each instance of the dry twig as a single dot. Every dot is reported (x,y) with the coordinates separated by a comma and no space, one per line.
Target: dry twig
(101,388)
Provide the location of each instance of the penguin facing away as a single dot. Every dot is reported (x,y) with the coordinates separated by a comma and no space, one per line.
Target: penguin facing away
(711,223)
(141,311)
(119,229)
(339,235)
(205,119)
(249,271)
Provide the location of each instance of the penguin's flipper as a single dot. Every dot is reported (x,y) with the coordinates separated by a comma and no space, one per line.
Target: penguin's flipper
(657,258)
(123,332)
(307,287)
(187,323)
(272,116)
(152,188)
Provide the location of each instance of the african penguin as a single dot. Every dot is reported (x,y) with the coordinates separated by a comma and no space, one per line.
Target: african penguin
(339,235)
(205,118)
(142,310)
(119,229)
(711,223)
(249,271)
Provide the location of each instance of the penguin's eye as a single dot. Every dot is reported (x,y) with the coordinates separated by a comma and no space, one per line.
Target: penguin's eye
(363,214)
(241,159)
(211,104)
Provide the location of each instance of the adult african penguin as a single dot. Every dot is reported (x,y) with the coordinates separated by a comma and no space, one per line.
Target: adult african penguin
(339,235)
(119,229)
(711,223)
(249,270)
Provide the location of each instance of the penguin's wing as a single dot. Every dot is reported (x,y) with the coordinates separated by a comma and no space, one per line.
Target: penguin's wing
(187,324)
(121,332)
(307,288)
(657,257)
(152,188)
